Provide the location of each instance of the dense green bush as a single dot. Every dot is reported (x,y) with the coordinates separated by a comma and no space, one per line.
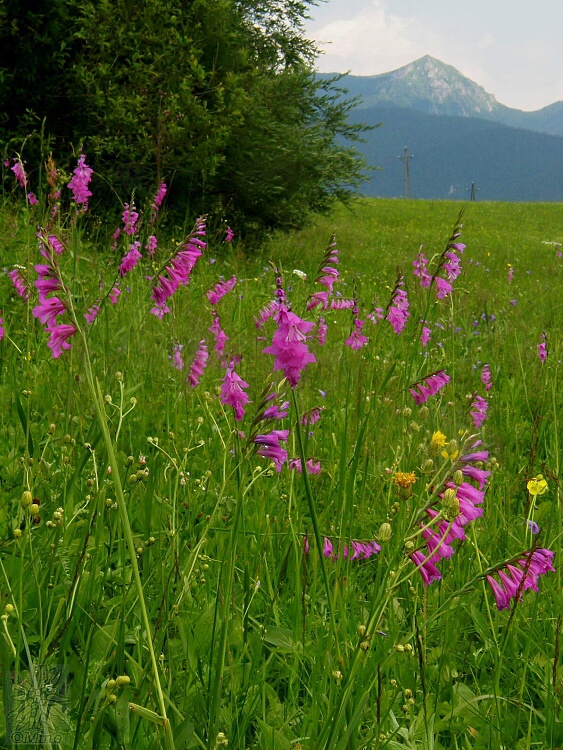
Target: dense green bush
(215,97)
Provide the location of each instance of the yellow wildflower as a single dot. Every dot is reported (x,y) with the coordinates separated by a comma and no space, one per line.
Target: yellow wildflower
(404,481)
(438,440)
(537,486)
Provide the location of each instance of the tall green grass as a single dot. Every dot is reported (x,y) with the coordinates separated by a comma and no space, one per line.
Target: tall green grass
(256,642)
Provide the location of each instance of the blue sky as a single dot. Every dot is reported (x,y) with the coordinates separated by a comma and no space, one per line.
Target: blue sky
(514,49)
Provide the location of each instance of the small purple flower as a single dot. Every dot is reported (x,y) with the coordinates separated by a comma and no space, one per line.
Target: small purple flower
(532,526)
(92,314)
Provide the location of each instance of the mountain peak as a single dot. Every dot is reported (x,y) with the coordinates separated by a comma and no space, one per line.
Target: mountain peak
(437,88)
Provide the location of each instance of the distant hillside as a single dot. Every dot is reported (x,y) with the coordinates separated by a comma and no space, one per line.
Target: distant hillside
(452,152)
(429,85)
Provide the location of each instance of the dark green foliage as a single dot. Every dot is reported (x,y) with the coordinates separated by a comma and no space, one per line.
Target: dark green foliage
(216,98)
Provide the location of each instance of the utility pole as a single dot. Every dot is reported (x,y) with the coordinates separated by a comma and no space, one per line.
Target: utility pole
(407,187)
(473,191)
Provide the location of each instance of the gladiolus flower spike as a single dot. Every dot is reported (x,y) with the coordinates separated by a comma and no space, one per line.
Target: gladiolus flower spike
(429,386)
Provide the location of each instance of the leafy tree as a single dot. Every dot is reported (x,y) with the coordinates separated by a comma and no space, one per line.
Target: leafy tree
(217,97)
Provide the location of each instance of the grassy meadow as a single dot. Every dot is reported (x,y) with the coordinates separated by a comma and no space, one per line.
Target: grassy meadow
(162,584)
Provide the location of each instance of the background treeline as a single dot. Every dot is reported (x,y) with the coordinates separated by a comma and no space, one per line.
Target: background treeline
(216,97)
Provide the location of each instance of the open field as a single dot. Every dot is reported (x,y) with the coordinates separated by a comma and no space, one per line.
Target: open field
(180,589)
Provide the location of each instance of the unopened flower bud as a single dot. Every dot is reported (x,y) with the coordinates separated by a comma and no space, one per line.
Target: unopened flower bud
(123,680)
(453,446)
(361,630)
(407,411)
(34,509)
(51,429)
(424,412)
(364,645)
(428,466)
(119,376)
(399,648)
(8,609)
(337,675)
(408,694)
(414,427)
(27,499)
(458,477)
(450,503)
(111,684)
(17,533)
(385,532)
(221,739)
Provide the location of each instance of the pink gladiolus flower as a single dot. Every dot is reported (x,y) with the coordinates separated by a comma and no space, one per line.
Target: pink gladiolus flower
(2,331)
(312,417)
(266,312)
(444,287)
(19,173)
(276,411)
(510,274)
(342,304)
(312,467)
(32,199)
(288,345)
(92,314)
(48,310)
(20,285)
(377,313)
(429,386)
(486,378)
(181,265)
(219,334)
(220,290)
(428,570)
(425,335)
(420,270)
(515,580)
(82,176)
(269,447)
(480,406)
(542,348)
(322,330)
(176,357)
(232,393)
(198,365)
(229,234)
(130,218)
(157,201)
(152,244)
(316,299)
(59,338)
(115,294)
(452,266)
(56,244)
(131,259)
(398,312)
(160,310)
(356,340)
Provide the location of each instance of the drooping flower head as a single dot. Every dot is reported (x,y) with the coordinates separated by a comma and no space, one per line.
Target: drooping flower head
(19,283)
(520,576)
(19,172)
(429,386)
(157,201)
(221,289)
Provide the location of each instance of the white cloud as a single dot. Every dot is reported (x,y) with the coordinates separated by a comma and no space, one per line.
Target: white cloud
(368,37)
